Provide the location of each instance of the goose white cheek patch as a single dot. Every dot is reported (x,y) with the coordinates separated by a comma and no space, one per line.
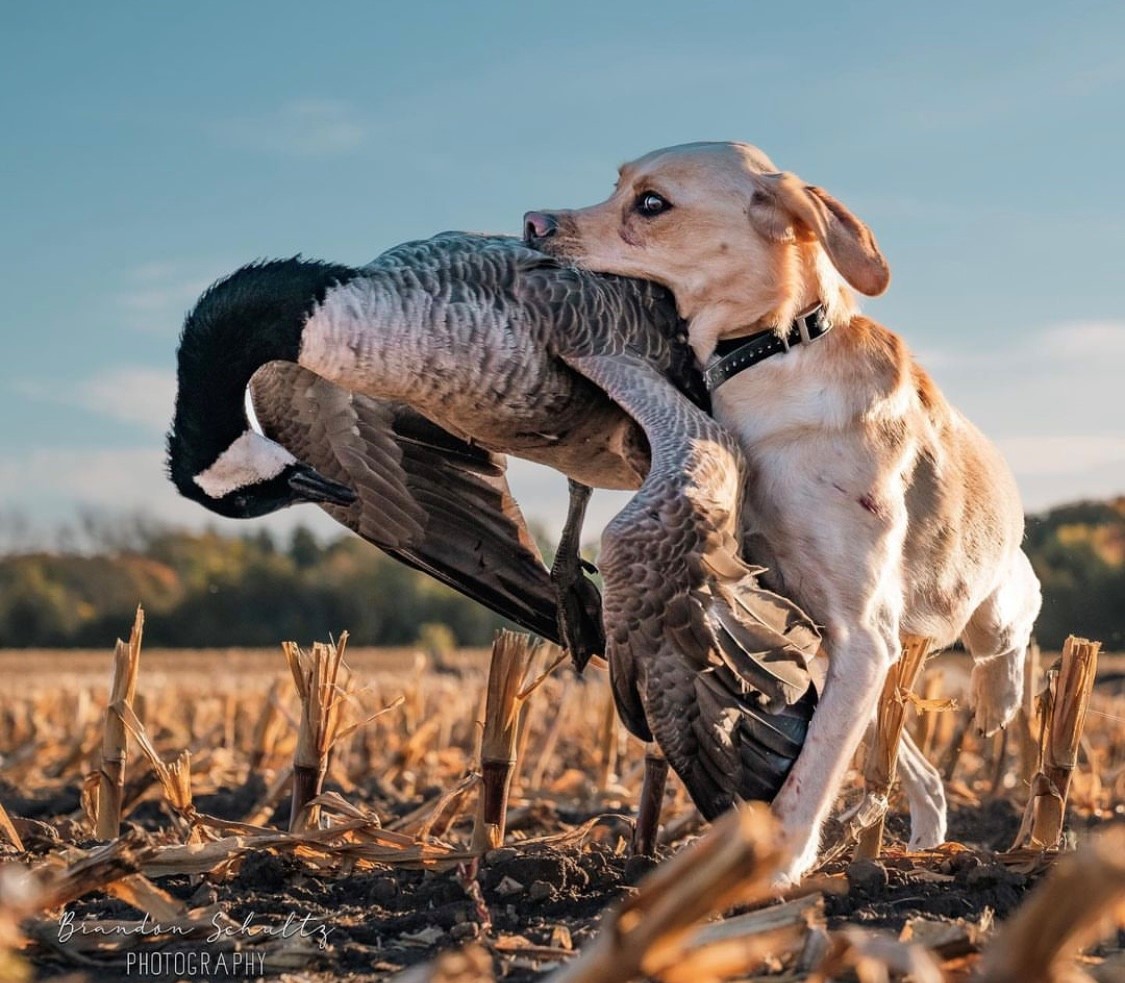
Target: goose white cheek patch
(250,459)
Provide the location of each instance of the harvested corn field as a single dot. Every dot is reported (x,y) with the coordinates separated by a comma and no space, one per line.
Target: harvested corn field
(213,824)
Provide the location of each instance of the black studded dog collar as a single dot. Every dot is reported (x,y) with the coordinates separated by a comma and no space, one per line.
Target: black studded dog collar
(733,355)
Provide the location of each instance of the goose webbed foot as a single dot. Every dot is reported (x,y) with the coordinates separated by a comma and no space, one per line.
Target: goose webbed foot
(578,598)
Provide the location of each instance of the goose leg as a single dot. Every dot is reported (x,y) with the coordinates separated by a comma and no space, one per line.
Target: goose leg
(579,601)
(652,798)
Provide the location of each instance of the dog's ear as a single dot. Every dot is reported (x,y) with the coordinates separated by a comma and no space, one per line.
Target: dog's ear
(785,209)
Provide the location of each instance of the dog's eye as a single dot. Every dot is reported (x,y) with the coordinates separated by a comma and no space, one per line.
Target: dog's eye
(650,203)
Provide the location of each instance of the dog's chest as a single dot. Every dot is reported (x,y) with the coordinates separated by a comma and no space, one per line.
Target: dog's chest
(814,473)
(784,395)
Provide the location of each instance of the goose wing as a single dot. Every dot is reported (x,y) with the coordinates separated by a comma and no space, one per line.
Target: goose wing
(426,497)
(702,658)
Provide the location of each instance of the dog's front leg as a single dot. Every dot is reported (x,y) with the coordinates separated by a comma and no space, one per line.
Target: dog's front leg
(859,656)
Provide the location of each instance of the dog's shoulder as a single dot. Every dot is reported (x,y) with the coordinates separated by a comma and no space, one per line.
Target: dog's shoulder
(892,369)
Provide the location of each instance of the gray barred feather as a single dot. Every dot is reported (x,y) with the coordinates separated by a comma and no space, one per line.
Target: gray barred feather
(702,658)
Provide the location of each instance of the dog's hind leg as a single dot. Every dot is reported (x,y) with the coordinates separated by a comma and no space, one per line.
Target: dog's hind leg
(925,794)
(997,635)
(924,790)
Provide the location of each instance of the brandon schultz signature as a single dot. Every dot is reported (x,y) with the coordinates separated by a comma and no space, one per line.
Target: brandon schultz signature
(305,927)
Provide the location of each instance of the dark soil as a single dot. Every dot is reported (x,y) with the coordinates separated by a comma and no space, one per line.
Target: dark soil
(42,803)
(377,922)
(888,893)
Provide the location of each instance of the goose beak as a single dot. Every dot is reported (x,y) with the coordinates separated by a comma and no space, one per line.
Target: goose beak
(311,486)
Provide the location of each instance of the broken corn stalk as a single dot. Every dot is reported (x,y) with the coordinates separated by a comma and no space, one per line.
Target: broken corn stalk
(174,776)
(608,743)
(1064,719)
(1080,901)
(882,758)
(511,655)
(317,675)
(115,742)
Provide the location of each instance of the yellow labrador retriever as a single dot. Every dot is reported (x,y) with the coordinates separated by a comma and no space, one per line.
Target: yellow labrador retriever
(877,506)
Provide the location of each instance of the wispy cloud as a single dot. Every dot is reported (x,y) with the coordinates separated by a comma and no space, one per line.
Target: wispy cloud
(113,478)
(1089,347)
(1088,342)
(131,394)
(1091,78)
(1051,402)
(301,128)
(65,481)
(134,394)
(154,297)
(542,495)
(1057,455)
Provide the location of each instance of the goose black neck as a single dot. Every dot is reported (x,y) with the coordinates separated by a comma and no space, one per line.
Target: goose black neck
(252,317)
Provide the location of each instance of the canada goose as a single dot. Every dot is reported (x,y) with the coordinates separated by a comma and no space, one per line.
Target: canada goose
(399,330)
(507,350)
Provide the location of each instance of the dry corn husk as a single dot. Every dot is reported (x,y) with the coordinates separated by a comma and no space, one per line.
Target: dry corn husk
(109,790)
(1063,720)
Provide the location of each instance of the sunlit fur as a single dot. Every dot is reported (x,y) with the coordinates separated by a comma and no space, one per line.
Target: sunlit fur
(877,506)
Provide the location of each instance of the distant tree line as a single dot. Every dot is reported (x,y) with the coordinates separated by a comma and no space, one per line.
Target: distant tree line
(206,589)
(1078,551)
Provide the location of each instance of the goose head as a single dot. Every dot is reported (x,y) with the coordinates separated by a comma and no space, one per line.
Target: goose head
(215,456)
(255,476)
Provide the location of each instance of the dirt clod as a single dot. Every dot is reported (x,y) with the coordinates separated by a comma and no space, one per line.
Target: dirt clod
(636,867)
(867,877)
(541,891)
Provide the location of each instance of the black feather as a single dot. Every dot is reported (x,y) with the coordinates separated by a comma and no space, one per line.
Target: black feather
(251,317)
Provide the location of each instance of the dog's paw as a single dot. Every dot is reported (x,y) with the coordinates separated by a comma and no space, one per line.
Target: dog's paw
(927,829)
(928,818)
(997,688)
(925,792)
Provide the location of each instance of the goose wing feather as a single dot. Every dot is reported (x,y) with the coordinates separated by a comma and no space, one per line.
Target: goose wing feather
(701,657)
(425,496)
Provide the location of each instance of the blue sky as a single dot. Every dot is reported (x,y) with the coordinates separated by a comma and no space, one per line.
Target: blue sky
(148,149)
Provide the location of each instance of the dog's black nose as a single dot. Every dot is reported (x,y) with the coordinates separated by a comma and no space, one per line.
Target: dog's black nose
(538,226)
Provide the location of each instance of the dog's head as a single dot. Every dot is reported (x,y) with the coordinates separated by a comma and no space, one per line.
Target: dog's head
(739,243)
